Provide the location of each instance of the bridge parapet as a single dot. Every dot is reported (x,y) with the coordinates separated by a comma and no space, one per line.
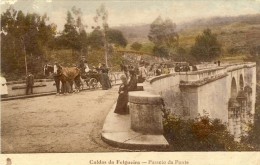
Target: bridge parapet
(202,74)
(233,67)
(201,77)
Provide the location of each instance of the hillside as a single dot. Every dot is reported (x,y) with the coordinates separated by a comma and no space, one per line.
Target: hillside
(135,32)
(239,36)
(139,32)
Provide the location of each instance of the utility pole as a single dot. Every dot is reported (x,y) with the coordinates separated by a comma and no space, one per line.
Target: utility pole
(102,14)
(105,46)
(25,59)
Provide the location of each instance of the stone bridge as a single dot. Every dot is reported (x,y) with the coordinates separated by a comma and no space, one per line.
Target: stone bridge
(226,92)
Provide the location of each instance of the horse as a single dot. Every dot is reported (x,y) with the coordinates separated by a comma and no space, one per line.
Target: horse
(64,76)
(70,75)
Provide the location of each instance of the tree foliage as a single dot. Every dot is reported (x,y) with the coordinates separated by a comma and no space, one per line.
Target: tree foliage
(74,35)
(31,35)
(206,47)
(116,37)
(136,46)
(96,39)
(24,35)
(201,134)
(164,36)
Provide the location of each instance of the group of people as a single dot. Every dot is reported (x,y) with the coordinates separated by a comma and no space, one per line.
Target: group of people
(185,67)
(102,70)
(161,69)
(140,72)
(132,76)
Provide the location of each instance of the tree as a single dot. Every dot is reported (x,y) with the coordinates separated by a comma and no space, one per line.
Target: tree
(109,37)
(136,46)
(200,134)
(163,35)
(70,36)
(80,28)
(102,14)
(74,35)
(25,39)
(206,47)
(96,40)
(116,37)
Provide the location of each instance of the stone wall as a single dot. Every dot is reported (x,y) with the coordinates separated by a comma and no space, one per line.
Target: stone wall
(168,87)
(18,88)
(213,99)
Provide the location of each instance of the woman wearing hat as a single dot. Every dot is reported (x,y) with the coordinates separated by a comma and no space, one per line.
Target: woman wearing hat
(132,85)
(104,79)
(122,100)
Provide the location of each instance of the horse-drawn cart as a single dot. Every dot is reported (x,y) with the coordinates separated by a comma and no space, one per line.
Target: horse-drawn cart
(93,79)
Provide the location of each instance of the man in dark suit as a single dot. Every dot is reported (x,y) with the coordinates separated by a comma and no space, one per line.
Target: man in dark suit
(29,83)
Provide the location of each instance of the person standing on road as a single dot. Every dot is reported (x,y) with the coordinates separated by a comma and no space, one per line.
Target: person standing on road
(104,79)
(218,63)
(29,83)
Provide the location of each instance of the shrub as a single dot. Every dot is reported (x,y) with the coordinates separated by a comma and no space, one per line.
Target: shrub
(136,46)
(200,134)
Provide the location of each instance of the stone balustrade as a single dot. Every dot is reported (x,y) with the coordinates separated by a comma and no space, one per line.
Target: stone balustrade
(201,74)
(212,73)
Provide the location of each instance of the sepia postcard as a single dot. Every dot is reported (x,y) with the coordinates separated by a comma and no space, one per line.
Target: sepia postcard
(130,82)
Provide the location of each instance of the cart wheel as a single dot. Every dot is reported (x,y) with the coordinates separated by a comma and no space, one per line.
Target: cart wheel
(112,78)
(93,83)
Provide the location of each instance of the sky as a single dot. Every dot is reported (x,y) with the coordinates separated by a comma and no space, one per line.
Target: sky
(135,12)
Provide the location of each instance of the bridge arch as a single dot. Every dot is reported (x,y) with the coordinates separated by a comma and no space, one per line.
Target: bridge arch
(233,88)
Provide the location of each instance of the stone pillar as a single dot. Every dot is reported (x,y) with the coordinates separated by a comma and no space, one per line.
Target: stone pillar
(237,128)
(230,122)
(146,112)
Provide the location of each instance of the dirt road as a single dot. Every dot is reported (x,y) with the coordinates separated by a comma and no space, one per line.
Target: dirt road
(56,124)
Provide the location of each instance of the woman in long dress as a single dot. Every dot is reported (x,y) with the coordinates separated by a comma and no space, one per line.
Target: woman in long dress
(121,106)
(104,79)
(132,85)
